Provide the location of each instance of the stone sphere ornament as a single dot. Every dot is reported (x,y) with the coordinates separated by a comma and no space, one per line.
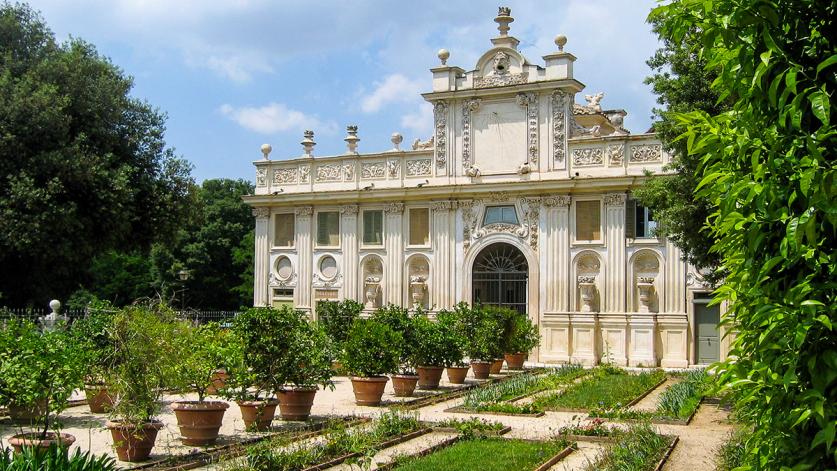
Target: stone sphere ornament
(266,150)
(560,41)
(443,55)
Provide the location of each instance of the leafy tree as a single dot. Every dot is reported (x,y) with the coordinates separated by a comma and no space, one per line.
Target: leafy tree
(682,84)
(83,165)
(767,166)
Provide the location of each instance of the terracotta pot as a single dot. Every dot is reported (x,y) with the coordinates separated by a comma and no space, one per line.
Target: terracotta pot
(199,422)
(429,376)
(98,398)
(404,385)
(219,381)
(369,390)
(34,440)
(515,360)
(258,415)
(481,369)
(457,374)
(134,442)
(28,414)
(295,404)
(496,366)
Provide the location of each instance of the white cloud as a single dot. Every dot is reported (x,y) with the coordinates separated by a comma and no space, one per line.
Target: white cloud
(396,88)
(272,118)
(420,122)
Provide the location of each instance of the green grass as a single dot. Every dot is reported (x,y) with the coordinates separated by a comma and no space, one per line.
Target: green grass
(492,397)
(678,402)
(637,449)
(607,388)
(732,452)
(490,454)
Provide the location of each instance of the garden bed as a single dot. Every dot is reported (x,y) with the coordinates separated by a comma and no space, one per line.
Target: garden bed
(606,388)
(639,448)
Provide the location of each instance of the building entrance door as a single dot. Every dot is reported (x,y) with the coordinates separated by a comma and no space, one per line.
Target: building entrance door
(706,331)
(501,277)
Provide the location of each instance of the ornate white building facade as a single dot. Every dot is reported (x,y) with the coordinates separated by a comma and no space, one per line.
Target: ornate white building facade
(521,197)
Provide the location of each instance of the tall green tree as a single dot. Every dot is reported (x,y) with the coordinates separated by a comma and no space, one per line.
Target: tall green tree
(682,84)
(216,248)
(768,168)
(84,168)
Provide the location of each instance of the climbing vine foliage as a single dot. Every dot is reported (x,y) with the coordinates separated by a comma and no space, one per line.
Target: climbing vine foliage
(768,168)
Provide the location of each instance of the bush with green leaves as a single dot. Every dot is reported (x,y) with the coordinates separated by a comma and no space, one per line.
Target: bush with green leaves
(280,348)
(337,318)
(451,347)
(768,167)
(92,335)
(372,349)
(520,335)
(202,350)
(482,328)
(428,342)
(38,369)
(55,458)
(145,356)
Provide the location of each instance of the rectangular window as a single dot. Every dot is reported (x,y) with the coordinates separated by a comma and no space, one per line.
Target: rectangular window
(283,230)
(587,220)
(283,297)
(646,226)
(419,226)
(500,214)
(373,227)
(328,228)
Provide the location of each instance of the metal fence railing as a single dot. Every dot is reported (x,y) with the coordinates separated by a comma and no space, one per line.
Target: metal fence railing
(197,317)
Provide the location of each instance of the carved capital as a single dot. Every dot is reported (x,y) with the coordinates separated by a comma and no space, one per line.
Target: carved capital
(559,201)
(526,99)
(349,210)
(615,199)
(394,208)
(443,205)
(261,213)
(304,211)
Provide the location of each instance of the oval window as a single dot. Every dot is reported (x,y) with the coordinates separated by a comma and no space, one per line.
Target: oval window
(284,268)
(328,267)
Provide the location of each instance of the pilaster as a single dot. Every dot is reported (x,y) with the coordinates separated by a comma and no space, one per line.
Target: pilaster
(616,264)
(443,238)
(302,294)
(557,264)
(393,244)
(675,280)
(349,244)
(261,268)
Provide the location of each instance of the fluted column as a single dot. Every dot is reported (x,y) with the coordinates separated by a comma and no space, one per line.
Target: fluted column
(557,244)
(304,250)
(261,268)
(348,242)
(441,291)
(394,245)
(675,280)
(615,270)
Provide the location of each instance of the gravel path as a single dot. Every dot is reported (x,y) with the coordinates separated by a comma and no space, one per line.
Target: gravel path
(409,447)
(649,402)
(580,458)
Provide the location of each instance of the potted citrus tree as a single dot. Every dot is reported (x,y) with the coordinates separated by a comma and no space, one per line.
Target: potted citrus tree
(405,379)
(520,337)
(91,333)
(337,318)
(40,372)
(428,351)
(371,352)
(144,351)
(451,347)
(482,331)
(201,351)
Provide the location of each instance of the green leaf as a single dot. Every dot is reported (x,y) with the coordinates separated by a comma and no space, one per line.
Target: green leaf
(820,106)
(830,61)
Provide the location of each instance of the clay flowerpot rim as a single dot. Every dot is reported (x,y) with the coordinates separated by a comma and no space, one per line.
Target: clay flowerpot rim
(431,367)
(459,367)
(34,438)
(377,378)
(259,402)
(405,376)
(291,388)
(118,424)
(482,361)
(198,405)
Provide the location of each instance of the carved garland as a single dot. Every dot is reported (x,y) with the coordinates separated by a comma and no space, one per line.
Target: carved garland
(261,177)
(559,125)
(328,173)
(530,217)
(417,168)
(372,170)
(285,175)
(500,80)
(588,156)
(559,201)
(615,154)
(647,153)
(440,119)
(530,102)
(468,107)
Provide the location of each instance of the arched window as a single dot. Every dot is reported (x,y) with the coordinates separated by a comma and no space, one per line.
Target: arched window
(500,277)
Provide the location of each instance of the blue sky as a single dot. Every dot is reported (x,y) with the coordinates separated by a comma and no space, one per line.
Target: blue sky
(232,75)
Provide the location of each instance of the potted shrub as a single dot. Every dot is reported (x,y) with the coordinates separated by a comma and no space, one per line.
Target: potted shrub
(337,318)
(141,368)
(427,353)
(521,337)
(92,334)
(503,317)
(398,319)
(305,366)
(201,350)
(40,372)
(451,347)
(256,403)
(371,352)
(482,331)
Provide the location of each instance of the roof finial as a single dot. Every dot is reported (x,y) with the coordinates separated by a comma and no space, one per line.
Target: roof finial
(308,143)
(560,41)
(266,149)
(351,139)
(443,56)
(503,19)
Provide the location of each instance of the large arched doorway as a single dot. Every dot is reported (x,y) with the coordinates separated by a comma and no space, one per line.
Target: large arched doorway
(500,277)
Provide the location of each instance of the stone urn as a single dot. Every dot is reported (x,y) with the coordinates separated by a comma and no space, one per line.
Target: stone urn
(587,285)
(373,284)
(418,284)
(645,284)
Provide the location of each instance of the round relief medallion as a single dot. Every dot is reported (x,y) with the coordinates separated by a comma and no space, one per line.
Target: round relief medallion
(284,268)
(328,267)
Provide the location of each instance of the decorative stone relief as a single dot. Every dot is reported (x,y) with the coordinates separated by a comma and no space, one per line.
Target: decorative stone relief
(530,102)
(393,168)
(349,172)
(588,268)
(615,154)
(349,210)
(285,175)
(261,213)
(373,271)
(468,222)
(328,173)
(615,199)
(500,227)
(318,281)
(497,197)
(588,156)
(531,215)
(418,144)
(276,281)
(394,208)
(304,211)
(372,170)
(468,107)
(495,80)
(261,177)
(418,168)
(304,171)
(442,205)
(559,127)
(593,105)
(419,272)
(560,201)
(440,119)
(646,153)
